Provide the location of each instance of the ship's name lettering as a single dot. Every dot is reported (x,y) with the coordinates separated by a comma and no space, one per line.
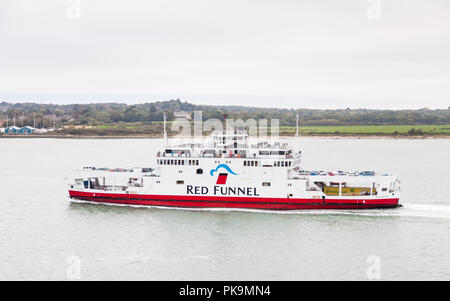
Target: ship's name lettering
(222,190)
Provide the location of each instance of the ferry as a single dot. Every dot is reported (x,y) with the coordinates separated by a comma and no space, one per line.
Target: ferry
(232,170)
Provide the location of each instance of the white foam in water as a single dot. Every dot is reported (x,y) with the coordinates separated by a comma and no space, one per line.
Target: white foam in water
(426,210)
(417,210)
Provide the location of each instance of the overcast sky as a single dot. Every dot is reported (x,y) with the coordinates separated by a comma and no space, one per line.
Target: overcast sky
(285,53)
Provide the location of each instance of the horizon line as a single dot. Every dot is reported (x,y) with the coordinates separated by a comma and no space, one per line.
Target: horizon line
(217,105)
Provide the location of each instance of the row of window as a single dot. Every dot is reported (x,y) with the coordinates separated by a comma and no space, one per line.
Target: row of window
(276,163)
(177,162)
(199,171)
(181,182)
(282,163)
(250,163)
(266,153)
(196,163)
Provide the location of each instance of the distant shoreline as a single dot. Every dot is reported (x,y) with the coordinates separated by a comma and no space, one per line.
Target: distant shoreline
(342,136)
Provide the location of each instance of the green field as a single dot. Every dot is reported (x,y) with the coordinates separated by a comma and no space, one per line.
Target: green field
(370,129)
(138,128)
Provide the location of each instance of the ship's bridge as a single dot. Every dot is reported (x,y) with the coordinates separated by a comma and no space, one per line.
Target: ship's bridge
(232,144)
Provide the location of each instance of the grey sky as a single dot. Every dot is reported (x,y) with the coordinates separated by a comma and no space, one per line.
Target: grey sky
(288,53)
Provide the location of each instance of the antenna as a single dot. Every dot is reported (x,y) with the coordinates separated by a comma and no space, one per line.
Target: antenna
(296,131)
(165,132)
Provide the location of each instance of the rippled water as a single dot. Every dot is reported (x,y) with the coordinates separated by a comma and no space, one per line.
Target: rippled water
(40,230)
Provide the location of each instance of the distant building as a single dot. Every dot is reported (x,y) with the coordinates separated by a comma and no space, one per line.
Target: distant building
(12,130)
(27,130)
(182,115)
(16,130)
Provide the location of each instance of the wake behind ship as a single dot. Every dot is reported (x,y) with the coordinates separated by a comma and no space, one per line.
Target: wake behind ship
(231,171)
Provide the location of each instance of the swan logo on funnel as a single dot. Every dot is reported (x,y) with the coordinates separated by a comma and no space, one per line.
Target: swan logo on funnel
(222,178)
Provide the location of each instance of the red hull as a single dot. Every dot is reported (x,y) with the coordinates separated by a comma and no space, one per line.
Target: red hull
(232,202)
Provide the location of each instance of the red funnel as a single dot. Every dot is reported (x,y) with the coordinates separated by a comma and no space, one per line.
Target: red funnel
(222,179)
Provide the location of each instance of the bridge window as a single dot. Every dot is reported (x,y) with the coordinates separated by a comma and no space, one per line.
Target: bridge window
(180,182)
(199,171)
(266,184)
(277,152)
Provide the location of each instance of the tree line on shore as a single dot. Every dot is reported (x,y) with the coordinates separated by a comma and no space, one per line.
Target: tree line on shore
(96,114)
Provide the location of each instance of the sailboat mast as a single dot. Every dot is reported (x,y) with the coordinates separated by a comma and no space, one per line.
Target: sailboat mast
(165,132)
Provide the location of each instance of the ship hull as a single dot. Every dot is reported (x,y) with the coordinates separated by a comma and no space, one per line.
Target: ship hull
(232,202)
